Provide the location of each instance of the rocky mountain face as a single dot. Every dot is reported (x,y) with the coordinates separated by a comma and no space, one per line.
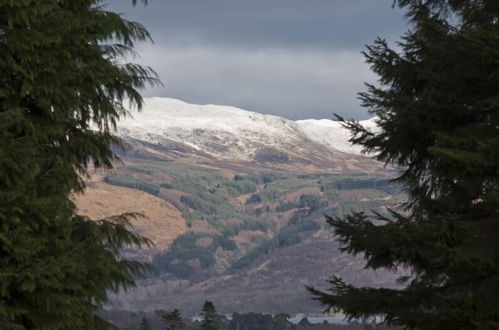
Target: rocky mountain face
(235,202)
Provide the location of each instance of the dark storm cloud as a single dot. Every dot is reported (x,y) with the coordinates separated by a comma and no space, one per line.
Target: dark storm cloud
(294,58)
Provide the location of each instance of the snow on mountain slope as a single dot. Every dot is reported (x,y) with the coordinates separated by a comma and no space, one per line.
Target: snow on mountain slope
(229,132)
(331,133)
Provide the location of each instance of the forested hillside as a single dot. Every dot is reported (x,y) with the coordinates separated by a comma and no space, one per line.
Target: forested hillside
(253,235)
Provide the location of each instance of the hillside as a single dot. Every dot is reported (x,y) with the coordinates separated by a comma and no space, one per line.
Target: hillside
(161,223)
(240,223)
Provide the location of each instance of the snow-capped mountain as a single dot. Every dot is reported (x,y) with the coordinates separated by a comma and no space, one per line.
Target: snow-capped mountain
(229,132)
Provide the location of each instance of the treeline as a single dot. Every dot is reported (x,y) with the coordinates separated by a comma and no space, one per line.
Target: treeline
(258,178)
(289,235)
(210,207)
(247,224)
(385,185)
(210,319)
(186,249)
(313,202)
(129,181)
(191,180)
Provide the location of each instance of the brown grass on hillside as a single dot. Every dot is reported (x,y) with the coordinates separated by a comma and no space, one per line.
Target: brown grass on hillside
(163,221)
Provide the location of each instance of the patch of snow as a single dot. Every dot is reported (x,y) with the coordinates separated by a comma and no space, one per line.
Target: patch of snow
(227,131)
(331,133)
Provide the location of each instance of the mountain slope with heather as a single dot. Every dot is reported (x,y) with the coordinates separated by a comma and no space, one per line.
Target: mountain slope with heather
(244,195)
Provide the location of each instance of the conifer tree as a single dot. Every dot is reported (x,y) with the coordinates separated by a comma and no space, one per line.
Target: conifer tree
(210,318)
(438,116)
(63,80)
(304,322)
(144,325)
(173,320)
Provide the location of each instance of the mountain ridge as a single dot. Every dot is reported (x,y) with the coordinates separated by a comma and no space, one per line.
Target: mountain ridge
(230,132)
(235,202)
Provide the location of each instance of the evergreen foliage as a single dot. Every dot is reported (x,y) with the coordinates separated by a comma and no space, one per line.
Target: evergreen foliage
(129,181)
(173,320)
(185,248)
(259,321)
(144,325)
(304,322)
(438,113)
(62,85)
(198,204)
(210,318)
(289,235)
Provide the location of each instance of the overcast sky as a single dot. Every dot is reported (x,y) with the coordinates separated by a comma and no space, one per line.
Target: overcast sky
(293,58)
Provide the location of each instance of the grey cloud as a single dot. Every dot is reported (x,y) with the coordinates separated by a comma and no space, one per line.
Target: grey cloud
(294,84)
(263,23)
(293,58)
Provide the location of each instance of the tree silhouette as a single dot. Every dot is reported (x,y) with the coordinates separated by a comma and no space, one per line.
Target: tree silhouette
(63,81)
(437,111)
(210,318)
(173,320)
